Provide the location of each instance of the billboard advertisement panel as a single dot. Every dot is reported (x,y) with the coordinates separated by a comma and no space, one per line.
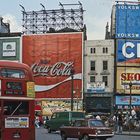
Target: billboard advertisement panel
(125,100)
(127,21)
(10,48)
(49,107)
(128,52)
(125,76)
(52,57)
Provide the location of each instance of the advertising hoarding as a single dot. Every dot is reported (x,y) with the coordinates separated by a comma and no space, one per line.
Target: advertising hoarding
(16,122)
(49,107)
(127,21)
(128,52)
(52,57)
(10,48)
(125,100)
(125,75)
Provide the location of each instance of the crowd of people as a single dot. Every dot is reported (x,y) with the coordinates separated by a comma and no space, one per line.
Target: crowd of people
(121,120)
(126,121)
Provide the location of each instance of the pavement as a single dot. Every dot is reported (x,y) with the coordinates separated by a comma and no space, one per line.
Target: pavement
(132,133)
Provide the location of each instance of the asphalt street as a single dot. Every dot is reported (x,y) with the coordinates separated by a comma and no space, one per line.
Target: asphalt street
(42,134)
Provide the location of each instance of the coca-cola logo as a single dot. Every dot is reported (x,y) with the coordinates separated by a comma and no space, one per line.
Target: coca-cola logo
(58,69)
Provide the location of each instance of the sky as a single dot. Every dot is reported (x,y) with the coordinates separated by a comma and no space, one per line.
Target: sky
(97,13)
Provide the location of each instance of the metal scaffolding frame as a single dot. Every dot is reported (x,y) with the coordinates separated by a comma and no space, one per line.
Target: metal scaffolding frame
(52,21)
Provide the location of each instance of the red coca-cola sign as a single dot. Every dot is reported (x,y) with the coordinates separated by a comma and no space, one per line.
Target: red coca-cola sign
(52,57)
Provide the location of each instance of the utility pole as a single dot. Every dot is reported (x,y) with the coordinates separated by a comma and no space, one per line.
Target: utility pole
(72,88)
(130,86)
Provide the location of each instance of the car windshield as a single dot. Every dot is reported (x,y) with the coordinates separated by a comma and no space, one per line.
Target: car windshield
(94,123)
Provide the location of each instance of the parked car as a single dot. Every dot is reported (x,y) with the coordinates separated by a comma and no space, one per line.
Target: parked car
(59,119)
(85,129)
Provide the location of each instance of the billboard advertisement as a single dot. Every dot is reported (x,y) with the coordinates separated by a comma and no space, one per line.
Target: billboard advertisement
(128,52)
(49,107)
(10,48)
(127,76)
(127,21)
(51,58)
(125,100)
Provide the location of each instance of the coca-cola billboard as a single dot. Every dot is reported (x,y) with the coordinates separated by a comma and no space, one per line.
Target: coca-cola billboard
(52,57)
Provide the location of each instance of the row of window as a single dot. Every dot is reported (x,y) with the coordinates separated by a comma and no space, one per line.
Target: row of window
(12,73)
(93,50)
(93,67)
(104,79)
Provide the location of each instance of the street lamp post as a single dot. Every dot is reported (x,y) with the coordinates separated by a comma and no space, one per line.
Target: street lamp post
(130,99)
(72,88)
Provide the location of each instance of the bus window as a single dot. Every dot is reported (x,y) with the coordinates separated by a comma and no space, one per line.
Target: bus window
(12,73)
(16,108)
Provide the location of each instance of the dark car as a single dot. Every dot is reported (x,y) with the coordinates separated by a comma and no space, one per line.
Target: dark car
(85,129)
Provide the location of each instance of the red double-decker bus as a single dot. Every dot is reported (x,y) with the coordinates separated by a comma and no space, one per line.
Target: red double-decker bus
(16,102)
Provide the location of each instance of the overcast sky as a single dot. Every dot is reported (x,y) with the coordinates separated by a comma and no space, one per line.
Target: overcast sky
(97,13)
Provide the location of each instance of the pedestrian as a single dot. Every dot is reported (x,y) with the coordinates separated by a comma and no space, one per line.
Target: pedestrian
(98,117)
(120,122)
(115,121)
(37,122)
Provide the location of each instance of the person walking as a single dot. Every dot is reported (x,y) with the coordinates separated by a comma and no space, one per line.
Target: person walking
(120,122)
(115,121)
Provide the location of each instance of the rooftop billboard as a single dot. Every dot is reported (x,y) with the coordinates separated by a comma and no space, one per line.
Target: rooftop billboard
(51,58)
(127,21)
(128,52)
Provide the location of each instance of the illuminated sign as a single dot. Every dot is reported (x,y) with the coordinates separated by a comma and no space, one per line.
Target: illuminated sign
(125,100)
(127,21)
(125,75)
(128,50)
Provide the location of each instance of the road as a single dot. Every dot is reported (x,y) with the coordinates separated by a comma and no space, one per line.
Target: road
(42,134)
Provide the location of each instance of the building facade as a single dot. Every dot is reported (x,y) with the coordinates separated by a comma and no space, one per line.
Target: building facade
(98,75)
(125,25)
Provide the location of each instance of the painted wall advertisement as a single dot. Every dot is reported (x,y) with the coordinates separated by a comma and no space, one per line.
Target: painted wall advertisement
(125,75)
(51,58)
(127,21)
(10,48)
(128,52)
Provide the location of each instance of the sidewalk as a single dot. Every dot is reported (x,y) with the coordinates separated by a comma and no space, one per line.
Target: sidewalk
(132,133)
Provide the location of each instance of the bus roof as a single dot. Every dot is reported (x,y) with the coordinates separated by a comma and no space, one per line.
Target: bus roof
(6,63)
(16,65)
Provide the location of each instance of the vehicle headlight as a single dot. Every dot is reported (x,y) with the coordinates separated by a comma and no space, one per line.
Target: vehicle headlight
(98,132)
